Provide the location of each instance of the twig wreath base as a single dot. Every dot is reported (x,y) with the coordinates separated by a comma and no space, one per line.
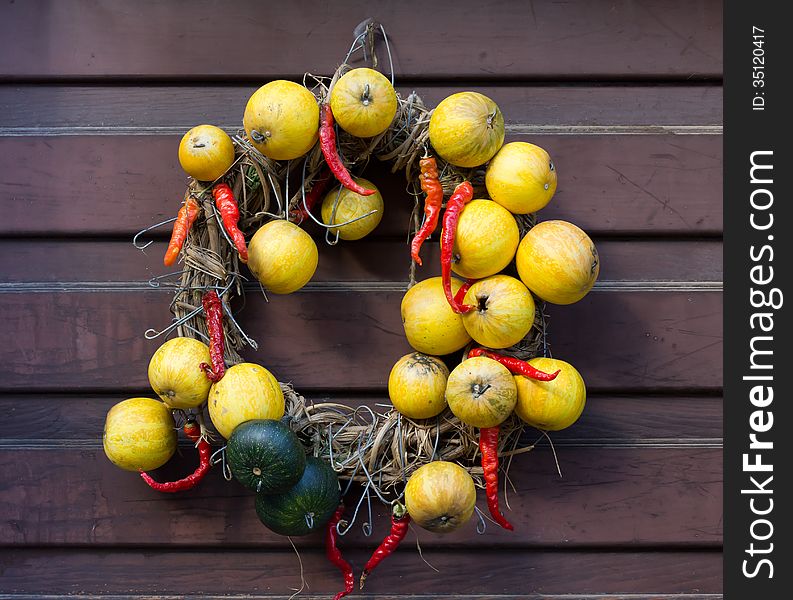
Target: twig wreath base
(373,446)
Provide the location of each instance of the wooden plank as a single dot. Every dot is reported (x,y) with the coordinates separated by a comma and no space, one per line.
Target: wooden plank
(118,185)
(493,573)
(624,39)
(246,596)
(381,260)
(93,341)
(75,106)
(77,497)
(638,420)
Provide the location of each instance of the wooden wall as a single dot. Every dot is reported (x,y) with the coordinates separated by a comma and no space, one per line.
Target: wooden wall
(625,95)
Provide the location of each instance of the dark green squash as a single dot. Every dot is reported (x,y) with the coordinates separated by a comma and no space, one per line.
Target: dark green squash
(307,507)
(265,456)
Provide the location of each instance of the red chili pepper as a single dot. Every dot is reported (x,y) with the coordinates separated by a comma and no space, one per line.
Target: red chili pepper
(515,365)
(461,196)
(213,313)
(431,186)
(193,431)
(230,212)
(299,213)
(488,446)
(399,528)
(327,143)
(334,554)
(185,218)
(460,295)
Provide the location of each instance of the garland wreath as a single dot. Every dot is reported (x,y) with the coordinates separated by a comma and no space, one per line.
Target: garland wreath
(423,459)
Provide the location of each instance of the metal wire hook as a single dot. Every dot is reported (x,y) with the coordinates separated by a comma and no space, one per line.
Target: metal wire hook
(148,229)
(343,531)
(213,460)
(481,526)
(155,281)
(151,334)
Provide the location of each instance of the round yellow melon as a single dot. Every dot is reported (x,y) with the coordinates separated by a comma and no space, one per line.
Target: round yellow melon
(558,262)
(282,256)
(521,178)
(247,391)
(282,120)
(349,206)
(466,129)
(431,326)
(551,405)
(485,240)
(139,434)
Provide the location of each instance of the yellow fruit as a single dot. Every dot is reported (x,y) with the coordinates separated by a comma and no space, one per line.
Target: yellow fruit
(551,405)
(431,326)
(363,102)
(485,240)
(417,384)
(247,391)
(467,129)
(282,120)
(351,206)
(175,372)
(206,152)
(440,496)
(139,434)
(558,262)
(503,311)
(481,392)
(282,257)
(521,178)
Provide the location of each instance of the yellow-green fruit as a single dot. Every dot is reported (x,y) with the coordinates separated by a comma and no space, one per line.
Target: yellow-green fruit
(467,129)
(551,405)
(485,240)
(247,391)
(139,434)
(363,102)
(282,257)
(282,120)
(503,312)
(431,326)
(175,372)
(417,384)
(206,152)
(440,496)
(351,206)
(521,178)
(481,392)
(558,262)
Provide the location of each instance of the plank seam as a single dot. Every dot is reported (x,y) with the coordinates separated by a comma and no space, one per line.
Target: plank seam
(520,129)
(605,443)
(33,287)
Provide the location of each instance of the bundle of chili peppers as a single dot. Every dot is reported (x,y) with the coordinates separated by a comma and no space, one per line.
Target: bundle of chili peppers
(193,431)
